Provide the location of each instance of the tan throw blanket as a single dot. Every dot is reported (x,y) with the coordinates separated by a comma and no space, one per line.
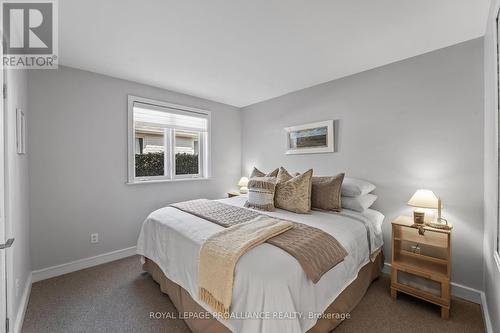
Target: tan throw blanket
(220,253)
(315,250)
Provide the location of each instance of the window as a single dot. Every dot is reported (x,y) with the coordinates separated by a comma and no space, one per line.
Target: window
(167,141)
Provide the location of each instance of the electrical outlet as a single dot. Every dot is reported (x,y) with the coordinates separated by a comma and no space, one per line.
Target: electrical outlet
(94,238)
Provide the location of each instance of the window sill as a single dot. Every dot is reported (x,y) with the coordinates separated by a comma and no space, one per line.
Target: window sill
(497,260)
(154,181)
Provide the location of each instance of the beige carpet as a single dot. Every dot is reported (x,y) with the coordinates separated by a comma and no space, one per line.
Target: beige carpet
(118,297)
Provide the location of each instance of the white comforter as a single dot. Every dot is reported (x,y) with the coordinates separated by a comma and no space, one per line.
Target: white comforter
(271,292)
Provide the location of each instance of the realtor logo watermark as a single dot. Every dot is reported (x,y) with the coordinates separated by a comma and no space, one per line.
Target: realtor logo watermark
(30,32)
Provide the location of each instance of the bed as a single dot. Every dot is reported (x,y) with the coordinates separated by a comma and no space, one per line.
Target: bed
(271,293)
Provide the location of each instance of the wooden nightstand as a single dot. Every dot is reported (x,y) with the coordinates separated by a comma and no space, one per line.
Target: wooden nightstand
(233,194)
(421,264)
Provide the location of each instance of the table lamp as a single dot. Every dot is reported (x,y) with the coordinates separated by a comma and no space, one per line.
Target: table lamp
(424,199)
(243,183)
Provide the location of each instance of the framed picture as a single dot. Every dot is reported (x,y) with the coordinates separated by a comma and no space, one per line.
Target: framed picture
(20,132)
(310,138)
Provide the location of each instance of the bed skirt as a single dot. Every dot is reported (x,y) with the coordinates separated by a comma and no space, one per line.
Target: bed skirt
(344,303)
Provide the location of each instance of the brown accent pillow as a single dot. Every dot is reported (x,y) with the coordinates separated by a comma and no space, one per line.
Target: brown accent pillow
(293,193)
(326,192)
(257,173)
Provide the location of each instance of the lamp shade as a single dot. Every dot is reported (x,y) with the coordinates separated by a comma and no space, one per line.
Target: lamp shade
(243,181)
(424,199)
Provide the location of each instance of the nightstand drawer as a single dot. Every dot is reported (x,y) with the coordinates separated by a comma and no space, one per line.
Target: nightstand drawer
(419,283)
(423,295)
(420,266)
(423,251)
(431,238)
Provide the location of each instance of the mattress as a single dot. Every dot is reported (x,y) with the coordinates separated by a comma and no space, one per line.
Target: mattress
(271,293)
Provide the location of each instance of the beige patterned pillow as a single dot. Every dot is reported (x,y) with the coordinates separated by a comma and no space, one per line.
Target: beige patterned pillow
(326,192)
(283,175)
(261,193)
(257,173)
(293,193)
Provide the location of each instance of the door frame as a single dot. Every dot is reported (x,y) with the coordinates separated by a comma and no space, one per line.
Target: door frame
(3,193)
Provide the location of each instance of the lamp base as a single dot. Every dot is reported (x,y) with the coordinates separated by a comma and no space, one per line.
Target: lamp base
(418,217)
(243,190)
(440,223)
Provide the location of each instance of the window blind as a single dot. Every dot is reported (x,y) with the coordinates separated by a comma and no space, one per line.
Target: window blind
(148,115)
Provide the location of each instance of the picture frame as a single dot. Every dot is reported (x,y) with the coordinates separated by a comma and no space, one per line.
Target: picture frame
(20,132)
(311,138)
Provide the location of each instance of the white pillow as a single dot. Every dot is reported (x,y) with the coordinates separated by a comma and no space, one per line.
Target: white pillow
(353,187)
(359,203)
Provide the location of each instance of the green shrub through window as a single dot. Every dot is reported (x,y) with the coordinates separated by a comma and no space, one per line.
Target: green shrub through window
(153,164)
(186,164)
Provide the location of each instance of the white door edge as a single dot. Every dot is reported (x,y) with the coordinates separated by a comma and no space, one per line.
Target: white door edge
(3,256)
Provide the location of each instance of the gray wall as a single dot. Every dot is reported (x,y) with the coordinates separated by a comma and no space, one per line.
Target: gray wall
(17,207)
(413,124)
(78,164)
(491,270)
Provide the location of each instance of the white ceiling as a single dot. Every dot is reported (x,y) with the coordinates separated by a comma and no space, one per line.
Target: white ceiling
(241,52)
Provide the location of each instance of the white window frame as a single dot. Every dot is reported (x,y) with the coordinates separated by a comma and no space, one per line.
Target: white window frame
(201,156)
(205,163)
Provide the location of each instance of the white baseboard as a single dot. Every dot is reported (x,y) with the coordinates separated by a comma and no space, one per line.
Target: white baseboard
(486,314)
(467,293)
(23,305)
(387,268)
(73,266)
(457,290)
